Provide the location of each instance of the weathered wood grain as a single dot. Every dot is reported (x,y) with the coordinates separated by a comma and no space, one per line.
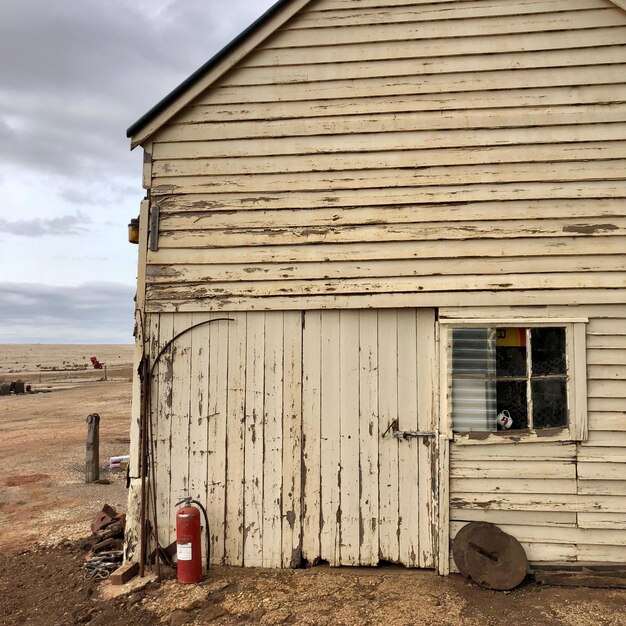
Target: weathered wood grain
(477,62)
(253,446)
(393,138)
(369,433)
(205,111)
(409,489)
(388,445)
(235,439)
(407,176)
(436,84)
(272,440)
(523,247)
(330,434)
(350,479)
(178,404)
(217,416)
(322,15)
(544,22)
(312,436)
(292,496)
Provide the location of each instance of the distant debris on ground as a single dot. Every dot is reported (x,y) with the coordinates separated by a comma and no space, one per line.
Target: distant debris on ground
(16,387)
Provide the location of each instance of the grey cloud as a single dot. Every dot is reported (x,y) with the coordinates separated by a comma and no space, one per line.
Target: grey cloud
(90,313)
(76,74)
(39,226)
(104,193)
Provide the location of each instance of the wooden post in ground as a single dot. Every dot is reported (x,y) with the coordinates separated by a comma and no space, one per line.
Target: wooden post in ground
(92,462)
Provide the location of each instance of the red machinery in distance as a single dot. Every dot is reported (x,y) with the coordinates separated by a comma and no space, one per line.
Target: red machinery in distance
(96,364)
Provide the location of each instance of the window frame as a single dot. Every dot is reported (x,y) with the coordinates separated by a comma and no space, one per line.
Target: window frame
(575,352)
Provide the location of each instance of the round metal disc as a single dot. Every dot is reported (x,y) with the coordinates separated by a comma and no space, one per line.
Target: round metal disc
(495,560)
(459,545)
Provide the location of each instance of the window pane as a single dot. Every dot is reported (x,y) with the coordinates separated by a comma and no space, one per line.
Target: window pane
(549,403)
(472,378)
(510,352)
(512,398)
(548,351)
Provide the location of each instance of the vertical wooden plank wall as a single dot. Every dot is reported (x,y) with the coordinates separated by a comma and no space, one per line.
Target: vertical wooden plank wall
(369,435)
(311,434)
(366,375)
(388,478)
(226,408)
(568,503)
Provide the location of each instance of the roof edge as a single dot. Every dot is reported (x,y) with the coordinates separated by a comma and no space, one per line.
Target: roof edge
(169,99)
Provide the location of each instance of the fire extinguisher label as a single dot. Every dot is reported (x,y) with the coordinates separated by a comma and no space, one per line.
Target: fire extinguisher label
(183,551)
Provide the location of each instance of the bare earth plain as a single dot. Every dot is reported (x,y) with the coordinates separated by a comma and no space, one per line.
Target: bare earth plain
(45,509)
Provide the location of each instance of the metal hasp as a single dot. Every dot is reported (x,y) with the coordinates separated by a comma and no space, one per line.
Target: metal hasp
(407,434)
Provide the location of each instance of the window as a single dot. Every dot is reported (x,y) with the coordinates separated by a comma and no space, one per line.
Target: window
(514,378)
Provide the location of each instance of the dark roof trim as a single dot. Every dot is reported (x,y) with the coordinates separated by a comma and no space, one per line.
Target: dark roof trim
(176,92)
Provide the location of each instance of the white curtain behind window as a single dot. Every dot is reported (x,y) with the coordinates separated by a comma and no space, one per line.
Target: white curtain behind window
(472,376)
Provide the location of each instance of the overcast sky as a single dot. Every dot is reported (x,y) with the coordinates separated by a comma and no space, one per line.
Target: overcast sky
(74,74)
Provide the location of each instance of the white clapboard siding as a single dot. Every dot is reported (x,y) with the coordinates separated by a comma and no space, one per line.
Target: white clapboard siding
(431,250)
(466,101)
(555,535)
(606,16)
(589,484)
(400,285)
(536,518)
(214,168)
(427,195)
(610,521)
(429,50)
(431,231)
(324,16)
(392,177)
(162,274)
(602,55)
(434,84)
(391,139)
(393,122)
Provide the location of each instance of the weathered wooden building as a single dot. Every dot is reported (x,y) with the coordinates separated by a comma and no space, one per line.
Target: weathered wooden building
(412,214)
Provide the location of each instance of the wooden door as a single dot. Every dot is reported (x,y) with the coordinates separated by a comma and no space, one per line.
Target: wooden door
(368,493)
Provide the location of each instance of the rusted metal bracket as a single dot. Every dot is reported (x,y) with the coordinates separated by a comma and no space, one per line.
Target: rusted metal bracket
(153,240)
(409,434)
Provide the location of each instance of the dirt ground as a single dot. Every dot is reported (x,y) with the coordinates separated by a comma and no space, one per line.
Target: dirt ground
(45,509)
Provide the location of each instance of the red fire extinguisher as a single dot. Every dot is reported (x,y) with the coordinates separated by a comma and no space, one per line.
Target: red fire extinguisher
(188,543)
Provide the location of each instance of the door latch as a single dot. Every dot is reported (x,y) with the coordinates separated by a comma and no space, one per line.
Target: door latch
(406,434)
